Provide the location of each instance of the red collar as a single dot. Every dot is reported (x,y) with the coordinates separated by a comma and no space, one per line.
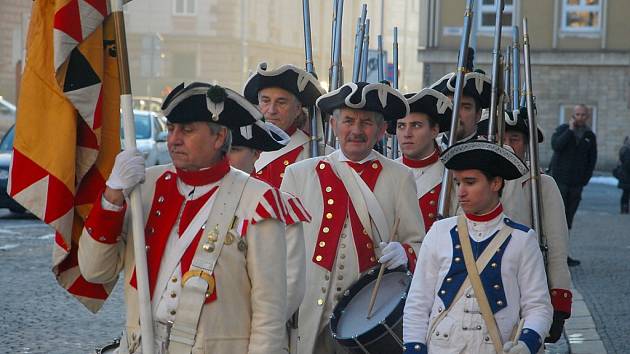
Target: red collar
(427,161)
(205,176)
(486,217)
(292,129)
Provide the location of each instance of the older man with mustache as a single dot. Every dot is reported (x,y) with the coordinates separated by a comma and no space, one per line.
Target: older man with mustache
(355,196)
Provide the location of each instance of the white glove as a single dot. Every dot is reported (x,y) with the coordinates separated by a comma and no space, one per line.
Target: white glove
(128,171)
(394,255)
(518,348)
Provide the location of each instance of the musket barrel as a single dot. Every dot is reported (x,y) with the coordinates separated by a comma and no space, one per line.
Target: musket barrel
(445,192)
(358,44)
(516,72)
(496,54)
(366,51)
(336,74)
(395,85)
(534,171)
(308,53)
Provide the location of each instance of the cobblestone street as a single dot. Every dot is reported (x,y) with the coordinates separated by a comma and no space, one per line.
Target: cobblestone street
(39,317)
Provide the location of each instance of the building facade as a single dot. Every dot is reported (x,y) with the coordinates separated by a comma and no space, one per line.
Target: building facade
(580,53)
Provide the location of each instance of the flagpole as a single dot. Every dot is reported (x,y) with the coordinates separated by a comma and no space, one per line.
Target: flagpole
(137,222)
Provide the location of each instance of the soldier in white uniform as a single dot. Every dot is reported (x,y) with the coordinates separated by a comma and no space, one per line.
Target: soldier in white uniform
(215,237)
(429,114)
(443,314)
(554,224)
(355,196)
(281,95)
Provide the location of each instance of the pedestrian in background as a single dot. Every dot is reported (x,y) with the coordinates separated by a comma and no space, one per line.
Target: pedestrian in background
(622,173)
(574,155)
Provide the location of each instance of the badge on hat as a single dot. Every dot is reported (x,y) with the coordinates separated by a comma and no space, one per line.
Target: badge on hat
(202,102)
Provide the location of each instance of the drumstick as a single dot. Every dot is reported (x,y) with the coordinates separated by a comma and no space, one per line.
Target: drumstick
(380,275)
(521,323)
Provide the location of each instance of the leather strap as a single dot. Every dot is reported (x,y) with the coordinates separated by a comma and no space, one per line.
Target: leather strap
(481,263)
(193,296)
(475,280)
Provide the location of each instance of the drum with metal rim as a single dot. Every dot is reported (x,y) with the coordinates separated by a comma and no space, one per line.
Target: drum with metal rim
(382,333)
(109,348)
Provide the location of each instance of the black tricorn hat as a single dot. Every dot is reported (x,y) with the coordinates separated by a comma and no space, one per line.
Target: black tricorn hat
(375,97)
(288,77)
(261,135)
(520,124)
(437,106)
(477,85)
(202,102)
(485,156)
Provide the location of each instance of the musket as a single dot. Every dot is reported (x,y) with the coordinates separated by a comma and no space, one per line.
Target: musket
(358,44)
(447,186)
(445,192)
(336,69)
(366,51)
(395,85)
(507,76)
(308,53)
(516,72)
(496,81)
(381,77)
(534,172)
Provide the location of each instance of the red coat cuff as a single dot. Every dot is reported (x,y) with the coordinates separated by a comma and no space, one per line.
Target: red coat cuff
(411,257)
(561,300)
(103,225)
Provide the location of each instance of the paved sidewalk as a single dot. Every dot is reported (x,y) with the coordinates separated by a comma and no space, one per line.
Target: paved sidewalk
(580,329)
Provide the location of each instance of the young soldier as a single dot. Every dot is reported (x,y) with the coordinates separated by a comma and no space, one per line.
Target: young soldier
(355,196)
(215,238)
(281,95)
(429,114)
(554,223)
(478,273)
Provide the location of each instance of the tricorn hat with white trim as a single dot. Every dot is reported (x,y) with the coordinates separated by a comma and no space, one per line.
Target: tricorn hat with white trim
(520,124)
(288,77)
(375,97)
(485,156)
(202,102)
(477,85)
(434,104)
(261,135)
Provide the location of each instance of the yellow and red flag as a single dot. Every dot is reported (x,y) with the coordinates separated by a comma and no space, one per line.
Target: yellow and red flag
(67,130)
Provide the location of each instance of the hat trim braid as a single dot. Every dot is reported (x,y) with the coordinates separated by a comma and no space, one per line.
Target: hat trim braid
(460,148)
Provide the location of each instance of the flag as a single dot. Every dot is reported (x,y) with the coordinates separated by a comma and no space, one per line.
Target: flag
(67,131)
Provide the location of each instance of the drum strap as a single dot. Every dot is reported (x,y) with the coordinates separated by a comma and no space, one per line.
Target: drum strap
(475,280)
(198,282)
(481,263)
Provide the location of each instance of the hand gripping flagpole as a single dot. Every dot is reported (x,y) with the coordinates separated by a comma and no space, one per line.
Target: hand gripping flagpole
(137,222)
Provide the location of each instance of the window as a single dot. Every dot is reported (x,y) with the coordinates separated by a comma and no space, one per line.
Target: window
(566,111)
(185,7)
(581,15)
(487,14)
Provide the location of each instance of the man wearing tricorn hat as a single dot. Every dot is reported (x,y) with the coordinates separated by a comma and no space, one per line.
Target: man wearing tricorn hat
(554,223)
(281,95)
(480,272)
(355,197)
(215,237)
(475,97)
(429,114)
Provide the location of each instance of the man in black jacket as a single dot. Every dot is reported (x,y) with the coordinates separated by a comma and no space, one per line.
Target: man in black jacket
(574,155)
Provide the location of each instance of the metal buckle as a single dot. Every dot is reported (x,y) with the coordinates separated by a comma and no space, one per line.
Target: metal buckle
(203,275)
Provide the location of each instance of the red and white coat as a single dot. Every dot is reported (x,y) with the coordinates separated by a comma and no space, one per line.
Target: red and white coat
(247,312)
(338,249)
(428,175)
(270,165)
